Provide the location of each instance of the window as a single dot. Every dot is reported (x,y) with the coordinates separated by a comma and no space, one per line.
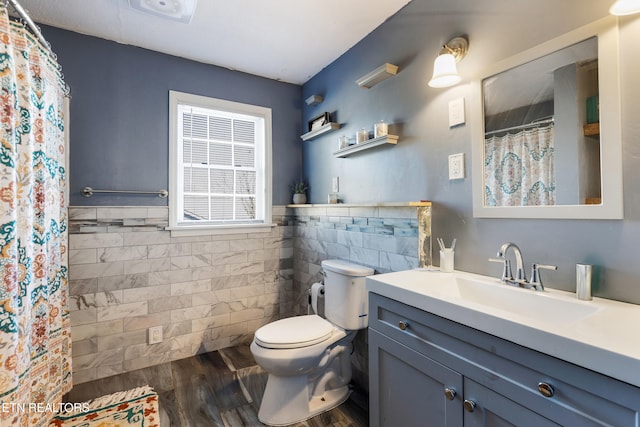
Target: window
(220,163)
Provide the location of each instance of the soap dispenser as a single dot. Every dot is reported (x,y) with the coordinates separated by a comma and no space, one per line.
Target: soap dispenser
(584,278)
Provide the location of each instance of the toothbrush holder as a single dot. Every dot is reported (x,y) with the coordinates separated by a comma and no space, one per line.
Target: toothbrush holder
(446,260)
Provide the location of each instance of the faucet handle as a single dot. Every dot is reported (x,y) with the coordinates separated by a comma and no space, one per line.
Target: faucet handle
(536,279)
(506,268)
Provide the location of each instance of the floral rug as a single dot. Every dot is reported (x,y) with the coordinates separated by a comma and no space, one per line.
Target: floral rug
(132,408)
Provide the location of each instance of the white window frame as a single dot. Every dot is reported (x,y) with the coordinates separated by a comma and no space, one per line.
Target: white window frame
(263,159)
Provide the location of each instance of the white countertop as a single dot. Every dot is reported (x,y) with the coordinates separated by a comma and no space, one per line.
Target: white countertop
(601,335)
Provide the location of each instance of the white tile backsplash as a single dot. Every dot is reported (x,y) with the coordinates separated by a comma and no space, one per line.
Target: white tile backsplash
(120,311)
(147,238)
(95,240)
(83,256)
(88,271)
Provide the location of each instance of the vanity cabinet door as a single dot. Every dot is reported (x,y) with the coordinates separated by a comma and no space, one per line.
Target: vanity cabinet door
(408,389)
(486,408)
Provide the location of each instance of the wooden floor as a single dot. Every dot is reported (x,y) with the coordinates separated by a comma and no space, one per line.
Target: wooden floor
(221,388)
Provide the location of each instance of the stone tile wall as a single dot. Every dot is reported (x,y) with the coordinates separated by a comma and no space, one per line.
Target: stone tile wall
(384,238)
(127,273)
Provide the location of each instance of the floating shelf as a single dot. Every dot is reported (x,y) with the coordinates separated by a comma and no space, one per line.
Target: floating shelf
(375,142)
(314,100)
(374,77)
(592,129)
(324,129)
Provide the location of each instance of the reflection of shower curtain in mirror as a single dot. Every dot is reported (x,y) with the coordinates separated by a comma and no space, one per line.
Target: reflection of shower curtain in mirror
(518,168)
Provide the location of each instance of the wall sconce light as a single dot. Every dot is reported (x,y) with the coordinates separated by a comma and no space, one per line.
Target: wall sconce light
(445,73)
(625,7)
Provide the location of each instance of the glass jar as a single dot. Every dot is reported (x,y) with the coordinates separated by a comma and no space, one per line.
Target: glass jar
(380,129)
(343,142)
(362,135)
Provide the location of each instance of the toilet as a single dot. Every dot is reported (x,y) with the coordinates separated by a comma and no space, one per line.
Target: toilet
(308,357)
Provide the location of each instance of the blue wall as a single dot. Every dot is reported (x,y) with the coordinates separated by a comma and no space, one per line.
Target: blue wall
(417,167)
(119,128)
(120,108)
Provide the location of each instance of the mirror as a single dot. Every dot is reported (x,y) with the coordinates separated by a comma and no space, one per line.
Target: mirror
(534,154)
(546,130)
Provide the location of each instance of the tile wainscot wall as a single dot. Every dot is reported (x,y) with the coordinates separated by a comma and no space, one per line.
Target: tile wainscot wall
(127,274)
(382,236)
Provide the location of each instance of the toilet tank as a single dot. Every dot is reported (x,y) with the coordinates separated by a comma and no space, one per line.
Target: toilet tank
(346,302)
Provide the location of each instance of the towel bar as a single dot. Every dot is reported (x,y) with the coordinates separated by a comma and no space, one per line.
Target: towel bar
(88,192)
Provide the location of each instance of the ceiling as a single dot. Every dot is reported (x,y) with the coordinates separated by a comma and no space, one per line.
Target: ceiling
(287,40)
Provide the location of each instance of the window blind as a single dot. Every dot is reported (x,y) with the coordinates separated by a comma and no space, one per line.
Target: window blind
(219,168)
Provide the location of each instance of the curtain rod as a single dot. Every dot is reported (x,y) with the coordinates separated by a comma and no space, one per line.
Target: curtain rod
(25,16)
(532,124)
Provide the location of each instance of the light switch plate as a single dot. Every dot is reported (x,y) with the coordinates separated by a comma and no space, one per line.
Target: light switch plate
(335,184)
(456,112)
(456,166)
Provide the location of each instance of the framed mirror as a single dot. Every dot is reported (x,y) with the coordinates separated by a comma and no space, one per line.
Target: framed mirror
(546,130)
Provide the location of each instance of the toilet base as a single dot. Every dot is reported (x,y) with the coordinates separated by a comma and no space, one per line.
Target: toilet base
(286,400)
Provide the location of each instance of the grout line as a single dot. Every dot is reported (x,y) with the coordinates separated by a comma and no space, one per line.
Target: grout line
(232,368)
(227,361)
(246,393)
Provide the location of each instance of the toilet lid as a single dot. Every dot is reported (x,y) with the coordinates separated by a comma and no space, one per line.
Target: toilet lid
(294,332)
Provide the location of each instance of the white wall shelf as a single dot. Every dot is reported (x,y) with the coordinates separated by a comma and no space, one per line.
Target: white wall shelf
(324,129)
(314,100)
(370,143)
(378,75)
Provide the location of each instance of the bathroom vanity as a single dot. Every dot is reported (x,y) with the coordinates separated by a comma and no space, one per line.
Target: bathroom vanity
(461,349)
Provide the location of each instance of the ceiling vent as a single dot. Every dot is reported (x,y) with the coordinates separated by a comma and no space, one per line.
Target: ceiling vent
(177,10)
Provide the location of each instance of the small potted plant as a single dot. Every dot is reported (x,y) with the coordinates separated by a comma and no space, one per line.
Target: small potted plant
(299,190)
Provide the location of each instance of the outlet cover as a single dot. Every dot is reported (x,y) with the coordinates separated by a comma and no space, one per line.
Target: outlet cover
(155,334)
(335,184)
(456,112)
(456,166)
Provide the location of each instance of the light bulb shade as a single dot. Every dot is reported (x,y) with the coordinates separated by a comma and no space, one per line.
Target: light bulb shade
(445,73)
(625,7)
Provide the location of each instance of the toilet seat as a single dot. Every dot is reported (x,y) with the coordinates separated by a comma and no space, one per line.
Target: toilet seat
(294,332)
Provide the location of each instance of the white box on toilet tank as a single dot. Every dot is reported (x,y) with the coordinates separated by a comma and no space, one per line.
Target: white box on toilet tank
(346,302)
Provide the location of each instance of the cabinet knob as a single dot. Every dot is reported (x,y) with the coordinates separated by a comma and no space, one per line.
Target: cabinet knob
(469,405)
(403,325)
(450,393)
(546,389)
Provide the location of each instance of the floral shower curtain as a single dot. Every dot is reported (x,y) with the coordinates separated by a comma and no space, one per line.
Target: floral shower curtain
(518,168)
(35,342)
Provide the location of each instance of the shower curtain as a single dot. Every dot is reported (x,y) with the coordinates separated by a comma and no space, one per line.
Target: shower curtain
(35,342)
(518,168)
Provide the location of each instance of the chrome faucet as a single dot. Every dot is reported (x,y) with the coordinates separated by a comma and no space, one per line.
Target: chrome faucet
(521,278)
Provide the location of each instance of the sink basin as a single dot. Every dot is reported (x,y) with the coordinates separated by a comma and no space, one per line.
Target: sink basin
(491,295)
(546,306)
